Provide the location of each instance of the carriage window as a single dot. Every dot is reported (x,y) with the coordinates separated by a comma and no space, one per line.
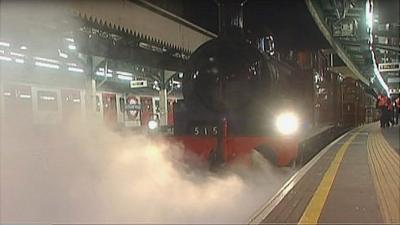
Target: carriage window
(47,101)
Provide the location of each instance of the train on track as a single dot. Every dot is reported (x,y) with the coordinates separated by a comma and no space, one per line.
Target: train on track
(239,96)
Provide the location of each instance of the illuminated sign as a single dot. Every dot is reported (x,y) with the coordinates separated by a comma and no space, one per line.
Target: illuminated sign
(138,83)
(386,67)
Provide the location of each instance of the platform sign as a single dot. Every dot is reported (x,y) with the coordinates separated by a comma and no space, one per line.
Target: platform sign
(138,83)
(388,67)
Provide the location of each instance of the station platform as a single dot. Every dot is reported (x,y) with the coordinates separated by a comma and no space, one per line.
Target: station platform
(355,179)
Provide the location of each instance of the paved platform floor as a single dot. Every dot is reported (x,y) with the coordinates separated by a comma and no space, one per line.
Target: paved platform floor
(357,180)
(392,135)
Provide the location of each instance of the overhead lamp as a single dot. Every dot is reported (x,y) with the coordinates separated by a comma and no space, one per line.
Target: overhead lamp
(23,47)
(70,40)
(47,98)
(25,96)
(4,58)
(5,44)
(102,69)
(48,65)
(17,54)
(19,60)
(72,47)
(101,73)
(123,73)
(122,77)
(75,69)
(46,60)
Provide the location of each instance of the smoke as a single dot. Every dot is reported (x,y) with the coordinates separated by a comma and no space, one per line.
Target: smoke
(86,173)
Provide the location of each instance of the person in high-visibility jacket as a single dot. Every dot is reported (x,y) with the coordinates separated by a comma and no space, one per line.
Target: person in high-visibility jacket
(382,105)
(390,114)
(397,109)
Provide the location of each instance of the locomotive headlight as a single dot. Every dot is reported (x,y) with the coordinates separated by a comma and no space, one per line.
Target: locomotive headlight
(287,123)
(152,124)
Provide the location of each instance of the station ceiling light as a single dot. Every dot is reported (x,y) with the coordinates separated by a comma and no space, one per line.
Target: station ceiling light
(122,77)
(17,54)
(101,73)
(71,47)
(4,58)
(47,65)
(46,60)
(25,96)
(75,69)
(123,73)
(70,40)
(5,44)
(19,60)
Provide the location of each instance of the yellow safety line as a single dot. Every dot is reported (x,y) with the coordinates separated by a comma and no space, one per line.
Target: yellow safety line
(314,208)
(379,180)
(384,165)
(392,152)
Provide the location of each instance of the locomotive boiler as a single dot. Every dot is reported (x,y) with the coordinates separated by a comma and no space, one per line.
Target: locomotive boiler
(238,97)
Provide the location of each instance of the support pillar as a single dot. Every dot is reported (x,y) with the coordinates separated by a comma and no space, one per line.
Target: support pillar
(90,87)
(163,107)
(163,101)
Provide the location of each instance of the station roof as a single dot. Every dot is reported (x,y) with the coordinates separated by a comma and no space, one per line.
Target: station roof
(354,33)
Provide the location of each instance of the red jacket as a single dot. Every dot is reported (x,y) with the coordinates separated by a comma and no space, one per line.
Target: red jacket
(382,101)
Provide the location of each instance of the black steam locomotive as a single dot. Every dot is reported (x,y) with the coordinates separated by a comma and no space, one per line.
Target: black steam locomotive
(238,96)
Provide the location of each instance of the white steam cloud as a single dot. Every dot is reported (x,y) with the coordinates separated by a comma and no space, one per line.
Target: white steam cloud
(88,174)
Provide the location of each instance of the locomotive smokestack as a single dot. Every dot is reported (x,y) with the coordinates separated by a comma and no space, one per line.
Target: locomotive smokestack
(230,14)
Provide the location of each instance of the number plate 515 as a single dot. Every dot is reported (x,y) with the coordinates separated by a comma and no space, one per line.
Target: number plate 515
(205,131)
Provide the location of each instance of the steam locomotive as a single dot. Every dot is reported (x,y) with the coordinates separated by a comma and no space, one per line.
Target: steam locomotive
(239,97)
